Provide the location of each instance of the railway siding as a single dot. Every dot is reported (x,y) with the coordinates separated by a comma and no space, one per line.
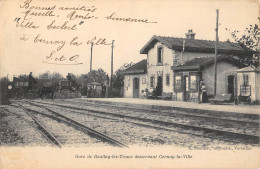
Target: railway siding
(179,119)
(243,125)
(17,129)
(240,111)
(208,130)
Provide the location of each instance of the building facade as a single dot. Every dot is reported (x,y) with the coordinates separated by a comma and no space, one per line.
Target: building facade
(189,76)
(167,66)
(135,79)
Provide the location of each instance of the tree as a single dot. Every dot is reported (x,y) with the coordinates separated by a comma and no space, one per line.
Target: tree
(80,79)
(118,78)
(99,76)
(47,78)
(56,77)
(249,42)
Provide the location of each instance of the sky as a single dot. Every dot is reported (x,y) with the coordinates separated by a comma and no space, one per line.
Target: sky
(173,18)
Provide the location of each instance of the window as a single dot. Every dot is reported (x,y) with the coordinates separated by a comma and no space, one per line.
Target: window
(245,79)
(152,81)
(193,83)
(178,84)
(167,80)
(159,55)
(186,83)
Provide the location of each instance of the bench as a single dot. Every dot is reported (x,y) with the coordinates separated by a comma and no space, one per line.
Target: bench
(224,98)
(244,99)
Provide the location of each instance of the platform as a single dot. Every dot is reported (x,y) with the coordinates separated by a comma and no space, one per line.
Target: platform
(179,105)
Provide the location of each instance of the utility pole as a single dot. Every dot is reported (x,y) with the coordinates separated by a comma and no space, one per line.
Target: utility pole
(91,56)
(6,88)
(111,78)
(215,61)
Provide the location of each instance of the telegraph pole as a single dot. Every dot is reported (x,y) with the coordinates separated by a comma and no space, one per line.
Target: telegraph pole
(111,78)
(215,61)
(91,56)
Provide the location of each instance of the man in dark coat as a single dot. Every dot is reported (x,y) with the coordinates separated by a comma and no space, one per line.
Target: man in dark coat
(32,81)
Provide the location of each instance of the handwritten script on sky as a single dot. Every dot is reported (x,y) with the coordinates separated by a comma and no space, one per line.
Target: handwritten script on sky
(64,18)
(56,35)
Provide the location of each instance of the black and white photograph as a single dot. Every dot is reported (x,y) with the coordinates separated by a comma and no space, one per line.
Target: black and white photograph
(129,84)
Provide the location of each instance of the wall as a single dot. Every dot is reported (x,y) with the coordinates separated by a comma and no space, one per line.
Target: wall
(165,68)
(128,84)
(223,69)
(169,58)
(257,86)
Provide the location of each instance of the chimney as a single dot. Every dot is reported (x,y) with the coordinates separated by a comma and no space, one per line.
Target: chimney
(190,34)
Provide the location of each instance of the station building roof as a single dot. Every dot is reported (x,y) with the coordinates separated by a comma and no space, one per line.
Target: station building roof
(193,45)
(199,63)
(138,68)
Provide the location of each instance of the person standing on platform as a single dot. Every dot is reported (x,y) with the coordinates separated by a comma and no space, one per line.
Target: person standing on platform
(204,97)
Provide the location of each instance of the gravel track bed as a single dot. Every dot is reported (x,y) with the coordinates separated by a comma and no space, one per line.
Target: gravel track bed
(196,121)
(18,129)
(132,134)
(66,134)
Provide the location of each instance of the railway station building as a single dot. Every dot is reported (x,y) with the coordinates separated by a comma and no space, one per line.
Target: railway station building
(175,67)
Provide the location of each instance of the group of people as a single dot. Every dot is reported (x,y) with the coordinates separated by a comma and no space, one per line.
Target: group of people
(203,93)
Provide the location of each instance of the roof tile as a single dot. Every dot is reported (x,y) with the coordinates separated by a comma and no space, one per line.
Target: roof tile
(193,45)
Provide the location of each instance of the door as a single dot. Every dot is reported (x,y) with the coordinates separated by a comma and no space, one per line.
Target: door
(159,86)
(185,88)
(136,87)
(231,85)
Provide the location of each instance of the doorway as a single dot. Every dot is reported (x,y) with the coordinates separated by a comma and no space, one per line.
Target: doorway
(185,88)
(136,86)
(231,85)
(159,86)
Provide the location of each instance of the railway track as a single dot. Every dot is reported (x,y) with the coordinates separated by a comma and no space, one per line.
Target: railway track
(166,125)
(69,121)
(47,134)
(176,113)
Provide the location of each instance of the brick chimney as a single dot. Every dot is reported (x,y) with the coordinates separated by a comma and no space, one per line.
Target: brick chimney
(190,34)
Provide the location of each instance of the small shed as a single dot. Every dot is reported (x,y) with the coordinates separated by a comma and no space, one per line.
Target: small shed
(95,89)
(248,81)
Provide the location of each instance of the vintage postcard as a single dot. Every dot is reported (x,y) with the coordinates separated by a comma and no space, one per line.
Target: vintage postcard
(129,84)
